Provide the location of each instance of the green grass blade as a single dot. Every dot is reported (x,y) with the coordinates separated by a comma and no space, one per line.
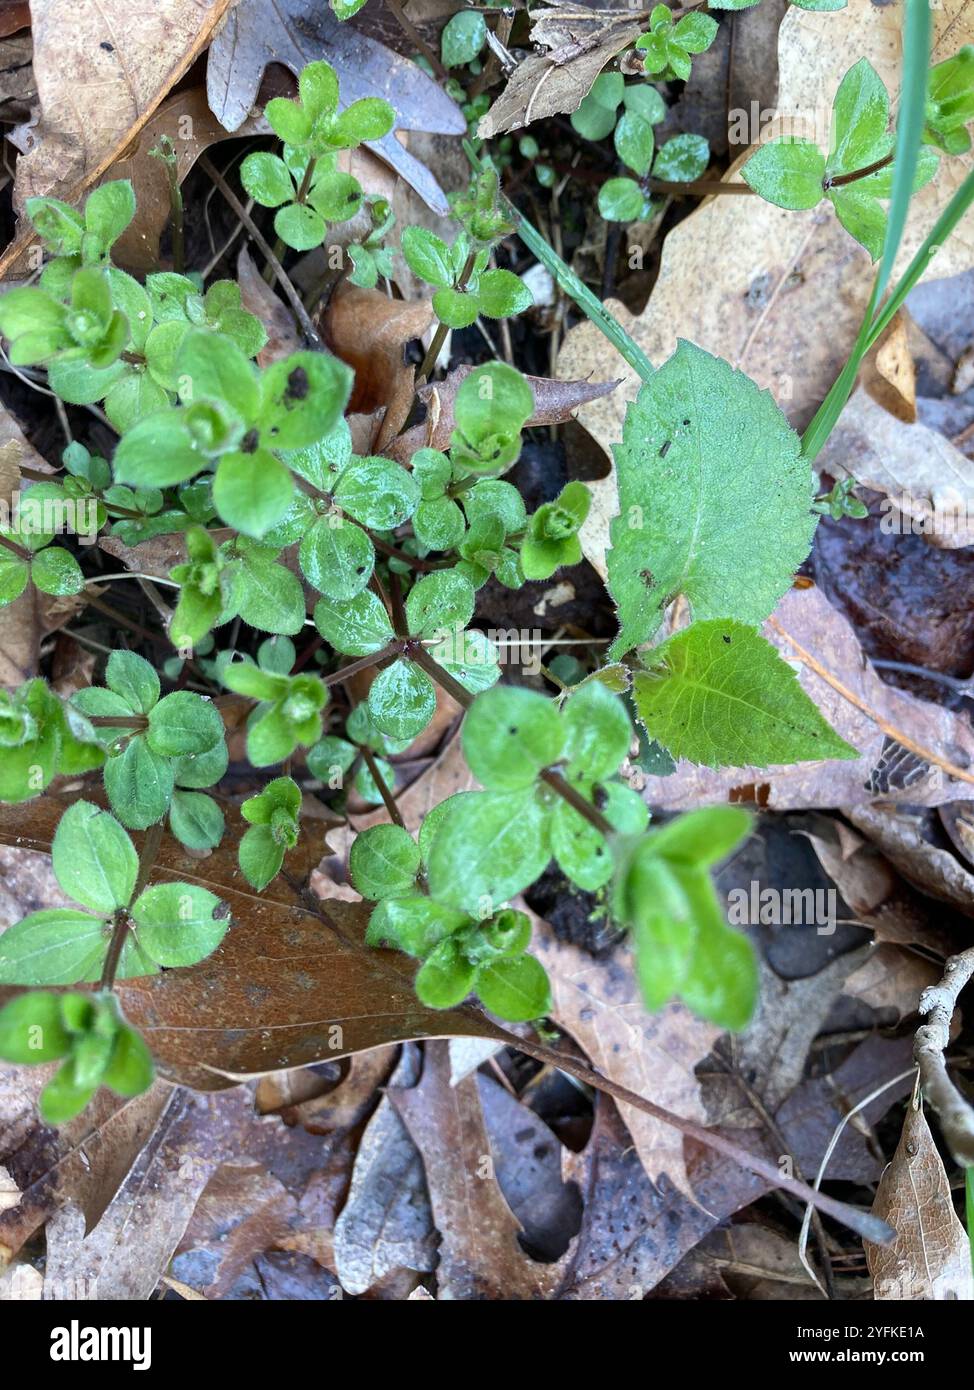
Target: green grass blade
(568,281)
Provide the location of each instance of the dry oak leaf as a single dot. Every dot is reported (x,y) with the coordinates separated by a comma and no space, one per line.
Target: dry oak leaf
(928,482)
(598,1003)
(259,298)
(297,32)
(580,42)
(787,304)
(480,1256)
(101,70)
(931,1256)
(910,750)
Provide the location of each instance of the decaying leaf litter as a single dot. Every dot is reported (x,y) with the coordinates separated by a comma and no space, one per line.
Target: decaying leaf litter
(336,1168)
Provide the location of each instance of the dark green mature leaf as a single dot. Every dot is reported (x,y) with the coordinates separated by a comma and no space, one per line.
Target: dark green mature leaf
(714,498)
(719,694)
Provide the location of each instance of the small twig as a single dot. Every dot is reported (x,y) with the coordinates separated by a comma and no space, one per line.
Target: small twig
(388,800)
(414,36)
(938,1002)
(122,927)
(294,299)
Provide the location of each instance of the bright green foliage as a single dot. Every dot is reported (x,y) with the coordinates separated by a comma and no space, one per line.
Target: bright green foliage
(288,713)
(667,48)
(463,285)
(384,862)
(492,406)
(29,557)
(141,770)
(40,738)
(841,501)
(551,539)
(88,329)
(950,102)
(719,694)
(682,944)
(88,1031)
(714,498)
(793,173)
(95,863)
(274,828)
(462,955)
(682,159)
(464,35)
(642,108)
(314,125)
(205,588)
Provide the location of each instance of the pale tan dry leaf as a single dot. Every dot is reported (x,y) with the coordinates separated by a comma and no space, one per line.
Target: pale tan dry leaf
(910,750)
(580,42)
(899,833)
(480,1257)
(101,71)
(25,622)
(598,1003)
(928,482)
(888,371)
(787,304)
(259,298)
(931,1256)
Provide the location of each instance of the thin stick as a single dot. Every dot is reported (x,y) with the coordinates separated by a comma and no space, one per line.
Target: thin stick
(938,1003)
(389,801)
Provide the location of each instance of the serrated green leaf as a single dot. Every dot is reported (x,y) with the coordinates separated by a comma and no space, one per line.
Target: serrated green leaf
(719,694)
(714,498)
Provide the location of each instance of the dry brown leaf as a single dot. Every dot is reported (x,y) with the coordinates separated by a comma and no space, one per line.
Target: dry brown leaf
(480,1257)
(892,978)
(14,15)
(928,482)
(910,750)
(348,1103)
(580,42)
(931,1256)
(101,72)
(192,127)
(259,298)
(900,834)
(888,371)
(598,1003)
(369,331)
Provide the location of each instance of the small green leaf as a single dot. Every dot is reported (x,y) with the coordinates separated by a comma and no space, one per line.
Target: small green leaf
(266,179)
(299,226)
(179,923)
(130,1069)
(597,731)
(596,114)
(634,142)
(139,783)
(456,308)
(622,200)
(787,172)
(196,820)
(261,856)
(488,846)
(56,571)
(439,602)
(336,557)
(134,679)
(57,946)
(93,858)
(252,492)
(32,1030)
(357,627)
(184,723)
(501,293)
(445,978)
(402,700)
(515,988)
(267,595)
(682,159)
(384,862)
(719,694)
(377,492)
(302,399)
(464,35)
(427,256)
(509,735)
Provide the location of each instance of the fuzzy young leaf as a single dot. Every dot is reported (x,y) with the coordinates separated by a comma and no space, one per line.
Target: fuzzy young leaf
(384,862)
(57,946)
(93,858)
(787,172)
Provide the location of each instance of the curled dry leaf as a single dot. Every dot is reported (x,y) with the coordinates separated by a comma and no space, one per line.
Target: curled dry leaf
(95,93)
(580,42)
(931,1256)
(369,331)
(192,127)
(910,750)
(259,298)
(296,32)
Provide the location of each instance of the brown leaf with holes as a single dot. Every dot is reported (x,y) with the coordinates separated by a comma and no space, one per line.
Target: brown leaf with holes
(101,72)
(910,750)
(931,1256)
(480,1257)
(293,982)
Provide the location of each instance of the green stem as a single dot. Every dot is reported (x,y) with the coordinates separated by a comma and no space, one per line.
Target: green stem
(439,337)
